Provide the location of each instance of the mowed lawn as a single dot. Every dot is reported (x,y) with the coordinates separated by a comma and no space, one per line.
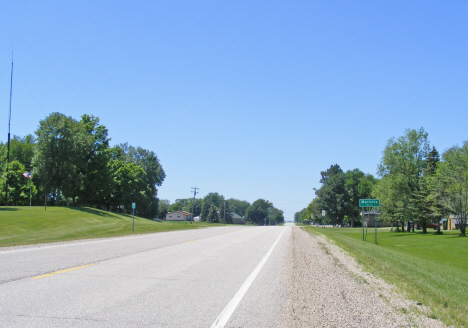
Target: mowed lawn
(430,268)
(31,225)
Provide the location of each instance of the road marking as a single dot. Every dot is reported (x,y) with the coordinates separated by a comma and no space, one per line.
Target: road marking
(191,241)
(62,271)
(225,315)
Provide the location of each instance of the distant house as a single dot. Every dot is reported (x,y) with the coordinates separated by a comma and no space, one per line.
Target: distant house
(452,223)
(237,219)
(179,216)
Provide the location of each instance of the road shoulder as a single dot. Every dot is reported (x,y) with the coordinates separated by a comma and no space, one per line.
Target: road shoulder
(327,288)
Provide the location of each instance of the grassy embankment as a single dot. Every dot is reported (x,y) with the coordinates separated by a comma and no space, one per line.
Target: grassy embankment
(430,268)
(31,225)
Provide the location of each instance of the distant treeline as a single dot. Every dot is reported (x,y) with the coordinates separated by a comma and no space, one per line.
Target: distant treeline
(415,185)
(215,208)
(72,164)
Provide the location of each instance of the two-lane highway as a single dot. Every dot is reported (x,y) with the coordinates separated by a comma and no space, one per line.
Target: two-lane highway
(197,278)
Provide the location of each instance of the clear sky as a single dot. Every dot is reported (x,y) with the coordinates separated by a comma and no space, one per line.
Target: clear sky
(251,99)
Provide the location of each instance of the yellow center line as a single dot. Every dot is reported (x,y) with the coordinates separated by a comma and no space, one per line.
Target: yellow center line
(62,271)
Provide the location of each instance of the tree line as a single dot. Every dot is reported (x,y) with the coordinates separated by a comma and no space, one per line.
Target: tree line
(415,184)
(338,196)
(72,164)
(215,208)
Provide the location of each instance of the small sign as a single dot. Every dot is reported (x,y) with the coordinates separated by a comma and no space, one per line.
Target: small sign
(323,212)
(369,202)
(133,205)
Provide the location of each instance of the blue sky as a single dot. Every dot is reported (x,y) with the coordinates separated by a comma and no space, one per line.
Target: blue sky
(251,99)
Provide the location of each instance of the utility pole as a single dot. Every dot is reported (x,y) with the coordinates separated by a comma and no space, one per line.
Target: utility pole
(211,206)
(194,190)
(224,211)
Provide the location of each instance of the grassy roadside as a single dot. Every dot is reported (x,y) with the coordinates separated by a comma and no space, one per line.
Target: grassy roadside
(432,269)
(299,224)
(31,225)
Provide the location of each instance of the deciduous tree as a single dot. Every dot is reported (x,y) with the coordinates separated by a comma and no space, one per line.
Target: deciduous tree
(163,205)
(358,185)
(333,195)
(60,153)
(238,206)
(96,183)
(453,172)
(258,211)
(18,185)
(404,161)
(155,174)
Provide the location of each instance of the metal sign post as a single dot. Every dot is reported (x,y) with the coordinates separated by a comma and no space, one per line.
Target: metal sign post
(362,209)
(133,217)
(363,203)
(375,220)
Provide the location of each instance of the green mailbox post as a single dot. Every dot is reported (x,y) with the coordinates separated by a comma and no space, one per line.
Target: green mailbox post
(133,217)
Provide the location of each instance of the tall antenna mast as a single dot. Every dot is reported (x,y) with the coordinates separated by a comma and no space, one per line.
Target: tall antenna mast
(9,123)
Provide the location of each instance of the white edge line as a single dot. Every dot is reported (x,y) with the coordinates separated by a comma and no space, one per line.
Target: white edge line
(225,315)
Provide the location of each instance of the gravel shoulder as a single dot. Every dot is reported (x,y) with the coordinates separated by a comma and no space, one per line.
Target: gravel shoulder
(327,288)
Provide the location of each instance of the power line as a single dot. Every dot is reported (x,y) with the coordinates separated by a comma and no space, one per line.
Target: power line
(31,93)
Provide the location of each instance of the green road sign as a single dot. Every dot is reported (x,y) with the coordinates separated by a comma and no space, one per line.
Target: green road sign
(369,202)
(133,205)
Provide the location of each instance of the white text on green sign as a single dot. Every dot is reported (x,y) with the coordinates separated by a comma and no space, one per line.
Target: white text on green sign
(369,202)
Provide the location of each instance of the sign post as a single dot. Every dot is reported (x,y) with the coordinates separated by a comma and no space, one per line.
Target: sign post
(375,220)
(133,217)
(362,209)
(363,203)
(323,216)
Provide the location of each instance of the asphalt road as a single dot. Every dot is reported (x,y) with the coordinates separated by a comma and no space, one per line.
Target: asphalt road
(233,275)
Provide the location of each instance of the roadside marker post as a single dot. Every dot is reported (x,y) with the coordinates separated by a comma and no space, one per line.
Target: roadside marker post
(133,217)
(363,203)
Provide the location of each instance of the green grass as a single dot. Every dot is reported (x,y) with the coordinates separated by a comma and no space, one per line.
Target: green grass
(31,225)
(299,224)
(430,268)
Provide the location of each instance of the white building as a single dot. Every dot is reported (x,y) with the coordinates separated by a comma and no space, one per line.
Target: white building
(179,216)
